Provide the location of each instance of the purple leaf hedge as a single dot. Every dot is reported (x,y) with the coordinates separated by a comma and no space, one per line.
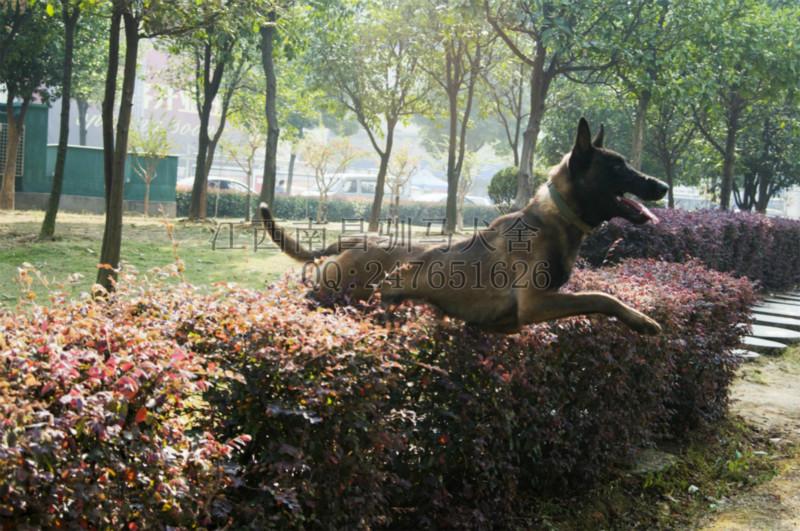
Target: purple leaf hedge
(765,250)
(174,407)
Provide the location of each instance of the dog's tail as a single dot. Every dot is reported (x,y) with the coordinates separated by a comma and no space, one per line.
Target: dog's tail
(288,244)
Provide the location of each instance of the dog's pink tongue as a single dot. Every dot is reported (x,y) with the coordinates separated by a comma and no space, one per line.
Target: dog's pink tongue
(641,208)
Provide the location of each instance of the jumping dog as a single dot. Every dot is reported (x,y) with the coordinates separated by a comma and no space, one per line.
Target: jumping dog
(508,274)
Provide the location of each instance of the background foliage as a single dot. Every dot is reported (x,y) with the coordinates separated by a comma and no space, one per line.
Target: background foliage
(233,205)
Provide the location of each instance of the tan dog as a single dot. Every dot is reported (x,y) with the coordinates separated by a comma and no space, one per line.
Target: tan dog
(507,275)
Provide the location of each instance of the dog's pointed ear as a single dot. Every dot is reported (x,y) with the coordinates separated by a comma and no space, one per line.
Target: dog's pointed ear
(582,150)
(583,140)
(598,138)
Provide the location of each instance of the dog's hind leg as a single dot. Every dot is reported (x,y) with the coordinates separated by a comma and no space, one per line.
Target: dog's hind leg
(546,306)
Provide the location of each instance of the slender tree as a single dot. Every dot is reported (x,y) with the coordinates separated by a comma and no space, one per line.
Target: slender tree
(31,68)
(70,12)
(459,51)
(402,167)
(149,146)
(506,86)
(769,162)
(465,186)
(247,117)
(370,66)
(244,153)
(285,23)
(88,67)
(329,159)
(220,57)
(556,38)
(642,69)
(141,21)
(269,33)
(300,106)
(671,133)
(741,61)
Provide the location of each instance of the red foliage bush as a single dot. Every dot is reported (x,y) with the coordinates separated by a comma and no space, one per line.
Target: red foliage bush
(766,250)
(116,412)
(102,420)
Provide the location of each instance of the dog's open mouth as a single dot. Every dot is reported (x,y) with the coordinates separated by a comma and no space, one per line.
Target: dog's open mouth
(634,211)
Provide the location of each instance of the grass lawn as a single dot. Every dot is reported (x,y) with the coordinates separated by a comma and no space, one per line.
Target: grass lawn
(145,245)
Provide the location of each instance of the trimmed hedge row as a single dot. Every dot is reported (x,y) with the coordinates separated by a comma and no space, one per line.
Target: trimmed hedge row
(764,249)
(138,412)
(233,205)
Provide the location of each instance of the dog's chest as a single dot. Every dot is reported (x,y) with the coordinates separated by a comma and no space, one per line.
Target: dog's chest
(560,268)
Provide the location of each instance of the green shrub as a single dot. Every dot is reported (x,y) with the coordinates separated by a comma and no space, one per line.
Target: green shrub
(503,188)
(233,205)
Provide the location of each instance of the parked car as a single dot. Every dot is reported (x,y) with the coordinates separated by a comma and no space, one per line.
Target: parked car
(441,197)
(214,184)
(364,188)
(348,188)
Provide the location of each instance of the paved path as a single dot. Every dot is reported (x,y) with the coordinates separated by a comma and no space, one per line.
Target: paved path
(768,396)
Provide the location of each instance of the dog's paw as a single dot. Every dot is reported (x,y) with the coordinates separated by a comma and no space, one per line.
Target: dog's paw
(646,325)
(643,324)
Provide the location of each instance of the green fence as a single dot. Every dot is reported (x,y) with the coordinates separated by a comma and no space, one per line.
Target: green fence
(34,143)
(83,176)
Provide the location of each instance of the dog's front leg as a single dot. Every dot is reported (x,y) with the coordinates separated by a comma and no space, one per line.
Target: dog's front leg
(535,307)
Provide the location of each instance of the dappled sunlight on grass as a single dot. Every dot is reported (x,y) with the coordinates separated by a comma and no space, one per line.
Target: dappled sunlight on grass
(69,262)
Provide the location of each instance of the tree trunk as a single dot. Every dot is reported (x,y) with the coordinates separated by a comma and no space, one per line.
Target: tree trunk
(726,186)
(762,200)
(518,114)
(540,83)
(457,145)
(83,108)
(290,176)
(762,203)
(211,150)
(249,199)
(15,129)
(205,145)
(637,143)
(147,198)
(270,109)
(108,102)
(385,155)
(70,23)
(322,208)
(197,207)
(460,213)
(451,208)
(112,235)
(670,183)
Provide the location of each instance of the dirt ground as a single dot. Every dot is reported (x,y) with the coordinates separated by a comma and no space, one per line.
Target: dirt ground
(768,396)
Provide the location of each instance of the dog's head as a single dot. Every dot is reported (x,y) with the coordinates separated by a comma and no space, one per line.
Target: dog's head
(600,178)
